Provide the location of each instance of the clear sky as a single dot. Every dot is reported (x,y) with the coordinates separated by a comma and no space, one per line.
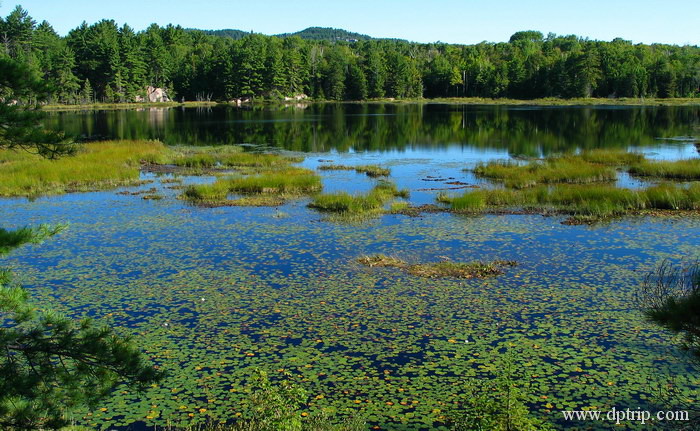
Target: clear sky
(454,21)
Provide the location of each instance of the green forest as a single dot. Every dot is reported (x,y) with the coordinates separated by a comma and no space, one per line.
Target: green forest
(104,62)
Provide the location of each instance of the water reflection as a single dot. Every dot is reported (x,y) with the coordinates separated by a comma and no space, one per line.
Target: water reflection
(528,131)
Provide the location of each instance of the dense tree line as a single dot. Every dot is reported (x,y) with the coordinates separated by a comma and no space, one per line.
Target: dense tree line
(109,63)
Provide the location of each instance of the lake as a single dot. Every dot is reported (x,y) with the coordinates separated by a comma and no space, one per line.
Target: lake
(213,293)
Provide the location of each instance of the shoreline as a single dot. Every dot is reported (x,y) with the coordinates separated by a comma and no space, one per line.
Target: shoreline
(445,101)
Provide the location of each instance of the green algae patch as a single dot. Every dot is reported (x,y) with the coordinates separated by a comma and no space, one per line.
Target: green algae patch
(96,166)
(442,269)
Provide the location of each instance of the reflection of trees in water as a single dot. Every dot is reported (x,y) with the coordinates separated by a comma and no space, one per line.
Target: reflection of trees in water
(382,127)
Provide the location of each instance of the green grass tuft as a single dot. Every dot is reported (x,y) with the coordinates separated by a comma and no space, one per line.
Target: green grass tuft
(269,188)
(439,269)
(96,166)
(594,201)
(688,169)
(365,204)
(551,171)
(373,171)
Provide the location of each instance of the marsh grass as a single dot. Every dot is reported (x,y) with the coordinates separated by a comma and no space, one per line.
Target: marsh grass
(268,188)
(291,181)
(442,269)
(96,166)
(592,201)
(571,170)
(371,203)
(610,157)
(333,167)
(381,260)
(688,169)
(227,156)
(399,206)
(373,171)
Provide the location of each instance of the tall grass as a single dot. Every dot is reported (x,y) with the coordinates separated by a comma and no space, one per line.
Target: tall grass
(286,181)
(551,171)
(95,166)
(371,202)
(276,183)
(688,169)
(590,200)
(373,171)
(228,156)
(610,157)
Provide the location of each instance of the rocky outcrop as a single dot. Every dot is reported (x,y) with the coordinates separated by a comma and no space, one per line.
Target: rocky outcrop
(297,97)
(156,95)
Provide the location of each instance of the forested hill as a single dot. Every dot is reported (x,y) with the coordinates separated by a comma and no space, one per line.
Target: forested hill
(231,33)
(111,63)
(327,33)
(311,33)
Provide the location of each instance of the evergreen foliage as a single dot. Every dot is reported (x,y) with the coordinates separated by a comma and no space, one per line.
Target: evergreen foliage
(118,64)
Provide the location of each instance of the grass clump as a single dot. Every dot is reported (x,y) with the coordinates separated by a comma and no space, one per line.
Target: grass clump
(551,171)
(336,168)
(381,260)
(96,166)
(373,171)
(269,188)
(592,201)
(688,169)
(439,269)
(610,157)
(365,204)
(227,156)
(291,181)
(459,270)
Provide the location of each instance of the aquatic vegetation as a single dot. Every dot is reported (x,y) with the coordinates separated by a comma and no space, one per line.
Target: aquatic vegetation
(610,157)
(268,188)
(550,171)
(227,156)
(439,269)
(399,206)
(599,201)
(96,166)
(152,197)
(381,260)
(291,181)
(688,169)
(333,167)
(236,291)
(373,171)
(359,204)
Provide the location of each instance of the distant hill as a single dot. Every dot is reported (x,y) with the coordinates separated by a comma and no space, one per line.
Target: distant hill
(327,33)
(233,34)
(311,33)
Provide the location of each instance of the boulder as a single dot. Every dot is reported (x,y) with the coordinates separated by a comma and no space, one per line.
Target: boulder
(156,95)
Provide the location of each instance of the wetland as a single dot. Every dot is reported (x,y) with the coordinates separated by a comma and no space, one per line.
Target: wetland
(384,257)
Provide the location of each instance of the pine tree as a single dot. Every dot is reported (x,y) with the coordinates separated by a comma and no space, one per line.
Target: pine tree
(48,360)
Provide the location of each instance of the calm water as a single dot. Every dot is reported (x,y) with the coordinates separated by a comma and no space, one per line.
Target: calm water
(211,294)
(529,131)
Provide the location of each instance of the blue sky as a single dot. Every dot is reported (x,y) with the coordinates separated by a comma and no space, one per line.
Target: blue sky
(454,21)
